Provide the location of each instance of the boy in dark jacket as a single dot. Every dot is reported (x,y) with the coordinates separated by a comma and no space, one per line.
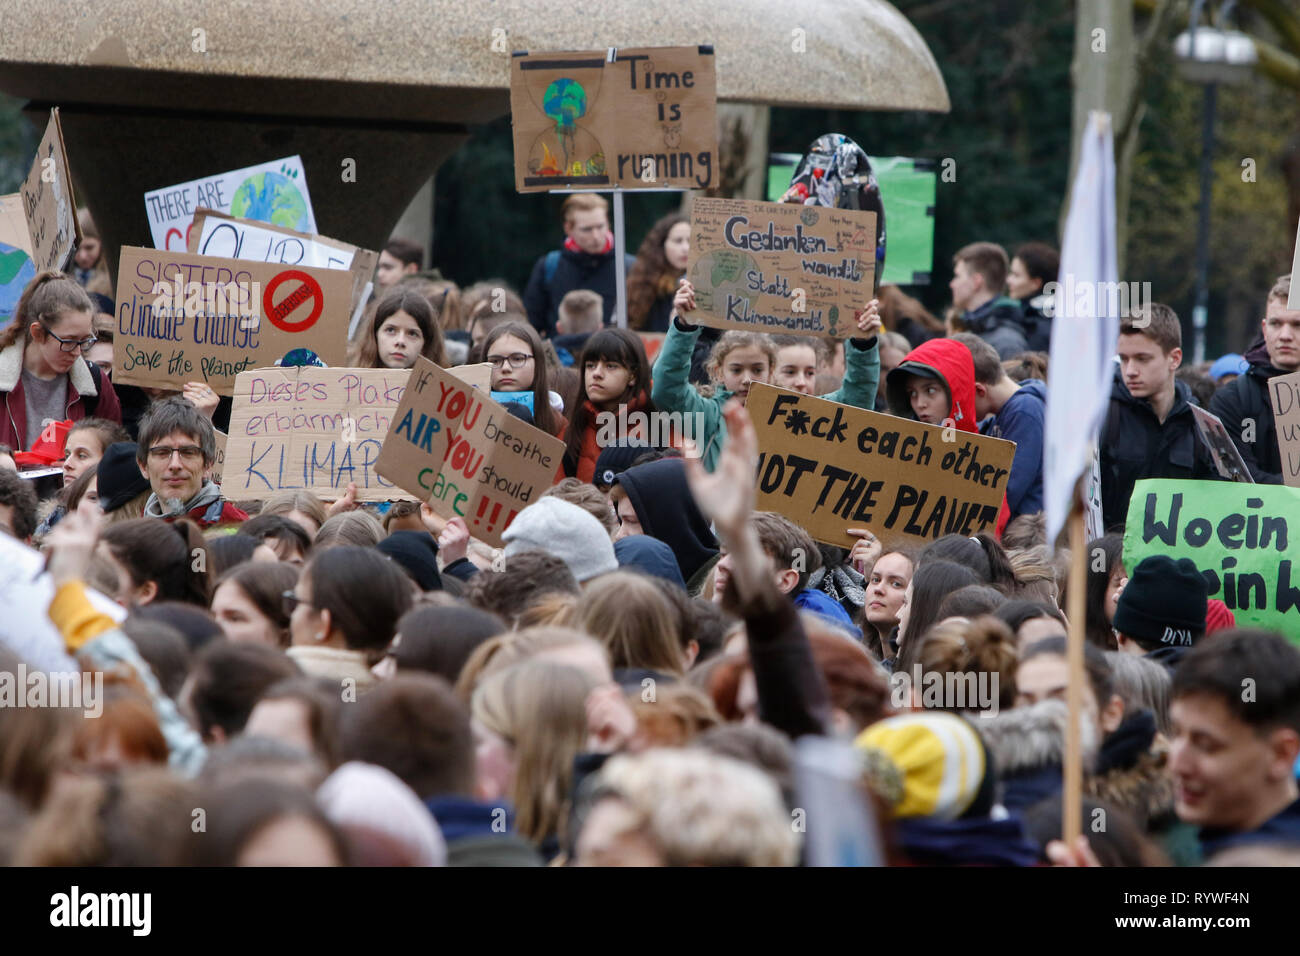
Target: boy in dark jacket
(1017,412)
(1244,404)
(979,274)
(1149,431)
(586,261)
(1235,737)
(655,499)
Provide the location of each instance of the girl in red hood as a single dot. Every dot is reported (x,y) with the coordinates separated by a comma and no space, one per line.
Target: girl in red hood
(935,384)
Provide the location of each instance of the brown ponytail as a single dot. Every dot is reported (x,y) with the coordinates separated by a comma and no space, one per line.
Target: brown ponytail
(983,645)
(42,300)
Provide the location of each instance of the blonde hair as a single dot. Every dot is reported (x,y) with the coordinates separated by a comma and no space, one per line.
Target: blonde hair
(703,809)
(731,340)
(583,202)
(540,708)
(505,650)
(676,715)
(350,527)
(283,502)
(1035,573)
(556,609)
(632,618)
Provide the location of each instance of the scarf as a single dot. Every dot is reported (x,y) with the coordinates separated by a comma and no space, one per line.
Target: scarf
(209,493)
(571,244)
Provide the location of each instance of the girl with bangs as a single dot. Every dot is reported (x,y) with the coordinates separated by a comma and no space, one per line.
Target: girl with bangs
(615,375)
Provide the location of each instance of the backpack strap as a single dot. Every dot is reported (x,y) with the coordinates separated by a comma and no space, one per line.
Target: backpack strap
(548,268)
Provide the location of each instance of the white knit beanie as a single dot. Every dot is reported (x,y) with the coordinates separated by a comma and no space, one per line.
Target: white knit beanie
(566,531)
(369,797)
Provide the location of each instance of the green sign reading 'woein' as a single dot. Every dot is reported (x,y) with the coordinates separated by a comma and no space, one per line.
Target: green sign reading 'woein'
(1239,535)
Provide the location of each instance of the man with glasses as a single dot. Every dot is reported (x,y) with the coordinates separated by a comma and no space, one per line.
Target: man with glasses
(177,447)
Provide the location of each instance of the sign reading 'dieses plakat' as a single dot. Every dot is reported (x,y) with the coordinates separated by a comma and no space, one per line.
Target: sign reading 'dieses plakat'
(274,192)
(454,447)
(312,429)
(780,267)
(830,467)
(1239,537)
(645,119)
(189,318)
(49,203)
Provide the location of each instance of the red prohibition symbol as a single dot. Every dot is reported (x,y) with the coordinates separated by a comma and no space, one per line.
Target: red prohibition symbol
(309,289)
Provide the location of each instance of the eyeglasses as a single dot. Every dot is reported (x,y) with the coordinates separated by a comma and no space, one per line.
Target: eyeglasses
(517,360)
(71,345)
(162,454)
(290,602)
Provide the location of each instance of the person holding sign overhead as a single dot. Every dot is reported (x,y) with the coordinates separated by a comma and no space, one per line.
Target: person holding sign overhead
(673,392)
(43,375)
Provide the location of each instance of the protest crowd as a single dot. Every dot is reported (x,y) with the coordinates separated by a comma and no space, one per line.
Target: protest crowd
(632,674)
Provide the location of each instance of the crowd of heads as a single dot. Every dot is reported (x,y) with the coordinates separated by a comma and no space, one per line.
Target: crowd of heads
(344,683)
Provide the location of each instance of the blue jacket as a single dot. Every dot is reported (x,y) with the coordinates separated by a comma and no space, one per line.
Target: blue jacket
(823,605)
(981,841)
(1022,421)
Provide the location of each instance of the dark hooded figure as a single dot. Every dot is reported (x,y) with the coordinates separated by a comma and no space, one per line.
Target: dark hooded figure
(665,508)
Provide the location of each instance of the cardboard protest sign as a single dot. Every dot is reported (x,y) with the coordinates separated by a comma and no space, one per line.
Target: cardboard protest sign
(1284,391)
(216,233)
(476,376)
(314,429)
(454,447)
(780,267)
(189,318)
(646,118)
(828,467)
(219,462)
(49,204)
(273,192)
(16,266)
(1237,536)
(1223,452)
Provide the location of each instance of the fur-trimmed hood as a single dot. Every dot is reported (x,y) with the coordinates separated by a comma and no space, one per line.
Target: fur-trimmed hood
(1032,738)
(11,368)
(1132,770)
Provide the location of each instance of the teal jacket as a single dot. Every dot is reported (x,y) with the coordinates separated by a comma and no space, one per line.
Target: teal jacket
(673,392)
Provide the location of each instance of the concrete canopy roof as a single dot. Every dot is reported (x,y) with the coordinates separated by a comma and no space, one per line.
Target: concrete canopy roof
(444,61)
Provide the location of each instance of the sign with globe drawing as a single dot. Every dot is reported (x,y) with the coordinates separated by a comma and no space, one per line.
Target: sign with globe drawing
(631,119)
(274,192)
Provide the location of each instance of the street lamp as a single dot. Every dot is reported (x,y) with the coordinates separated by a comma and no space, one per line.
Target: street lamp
(1210,56)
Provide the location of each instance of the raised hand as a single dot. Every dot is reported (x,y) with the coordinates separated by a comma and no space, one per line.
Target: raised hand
(868,320)
(201,397)
(453,541)
(866,550)
(71,544)
(684,300)
(726,497)
(347,503)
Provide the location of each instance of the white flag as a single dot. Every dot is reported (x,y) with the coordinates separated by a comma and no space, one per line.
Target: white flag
(1085,326)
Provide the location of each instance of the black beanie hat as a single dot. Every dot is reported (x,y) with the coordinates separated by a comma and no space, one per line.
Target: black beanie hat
(1164,603)
(118,477)
(616,459)
(417,554)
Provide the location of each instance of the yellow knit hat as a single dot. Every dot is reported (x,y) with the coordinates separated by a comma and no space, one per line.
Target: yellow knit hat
(940,757)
